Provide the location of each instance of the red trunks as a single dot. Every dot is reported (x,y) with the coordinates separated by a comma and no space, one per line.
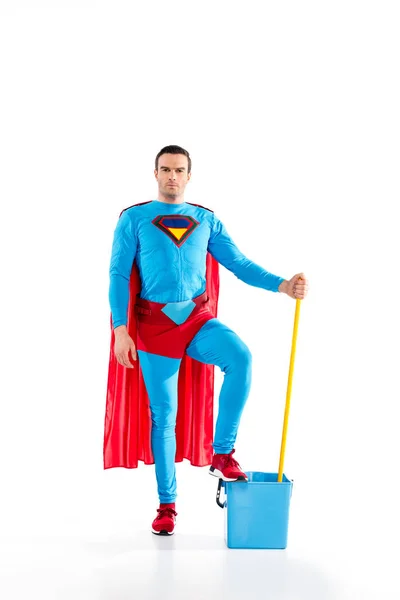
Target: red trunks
(165,335)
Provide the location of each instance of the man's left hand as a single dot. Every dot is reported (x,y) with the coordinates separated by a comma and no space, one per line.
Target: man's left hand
(296,287)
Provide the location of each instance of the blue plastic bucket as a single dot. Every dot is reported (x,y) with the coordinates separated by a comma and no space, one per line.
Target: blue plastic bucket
(256,511)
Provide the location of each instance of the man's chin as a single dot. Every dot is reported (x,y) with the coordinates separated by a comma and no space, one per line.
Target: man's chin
(171,192)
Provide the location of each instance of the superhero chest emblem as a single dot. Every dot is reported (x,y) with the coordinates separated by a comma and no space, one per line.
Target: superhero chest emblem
(177,227)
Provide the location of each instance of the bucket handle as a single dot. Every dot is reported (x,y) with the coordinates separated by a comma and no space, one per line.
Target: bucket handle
(220,485)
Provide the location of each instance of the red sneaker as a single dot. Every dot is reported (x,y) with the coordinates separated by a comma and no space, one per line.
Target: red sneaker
(227,468)
(164,523)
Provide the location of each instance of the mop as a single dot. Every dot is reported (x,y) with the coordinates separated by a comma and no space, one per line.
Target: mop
(257,511)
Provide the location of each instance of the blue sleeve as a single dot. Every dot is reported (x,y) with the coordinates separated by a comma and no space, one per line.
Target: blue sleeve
(224,250)
(122,257)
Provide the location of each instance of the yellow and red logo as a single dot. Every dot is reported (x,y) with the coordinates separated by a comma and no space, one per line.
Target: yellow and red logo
(177,227)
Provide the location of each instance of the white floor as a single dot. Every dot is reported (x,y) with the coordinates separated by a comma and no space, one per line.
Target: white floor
(93,541)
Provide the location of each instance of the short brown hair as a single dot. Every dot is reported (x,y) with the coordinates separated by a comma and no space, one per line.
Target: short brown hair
(174,150)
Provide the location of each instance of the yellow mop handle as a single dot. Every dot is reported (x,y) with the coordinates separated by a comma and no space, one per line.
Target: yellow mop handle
(289,390)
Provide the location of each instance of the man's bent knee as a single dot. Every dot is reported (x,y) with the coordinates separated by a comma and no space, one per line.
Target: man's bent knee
(240,358)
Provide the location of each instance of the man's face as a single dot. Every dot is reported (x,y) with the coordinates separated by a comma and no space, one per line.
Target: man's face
(172,174)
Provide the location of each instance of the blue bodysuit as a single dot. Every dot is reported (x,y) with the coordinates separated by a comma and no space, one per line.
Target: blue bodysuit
(169,243)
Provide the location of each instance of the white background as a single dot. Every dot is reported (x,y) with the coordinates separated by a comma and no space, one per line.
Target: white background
(290,112)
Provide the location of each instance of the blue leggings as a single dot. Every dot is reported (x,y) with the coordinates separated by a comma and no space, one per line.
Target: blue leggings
(213,344)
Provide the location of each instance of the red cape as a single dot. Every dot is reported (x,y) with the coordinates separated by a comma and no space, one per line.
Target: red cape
(127,426)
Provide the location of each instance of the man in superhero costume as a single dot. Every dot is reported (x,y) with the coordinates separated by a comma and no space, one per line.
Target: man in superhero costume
(164,286)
